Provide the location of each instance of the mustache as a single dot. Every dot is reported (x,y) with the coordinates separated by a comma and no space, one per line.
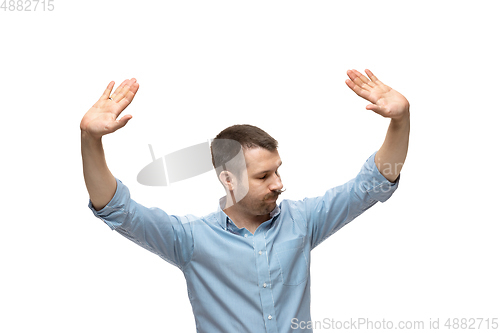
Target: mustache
(274,193)
(278,192)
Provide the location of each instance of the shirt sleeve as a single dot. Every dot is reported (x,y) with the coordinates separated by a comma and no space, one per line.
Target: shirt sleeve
(168,236)
(326,214)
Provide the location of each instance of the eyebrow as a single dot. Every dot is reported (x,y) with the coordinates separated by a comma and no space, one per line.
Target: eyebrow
(266,171)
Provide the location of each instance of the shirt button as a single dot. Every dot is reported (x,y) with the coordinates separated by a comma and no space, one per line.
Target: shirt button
(270,317)
(260,252)
(246,235)
(264,285)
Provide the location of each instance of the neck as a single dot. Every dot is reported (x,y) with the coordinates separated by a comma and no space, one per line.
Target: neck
(243,220)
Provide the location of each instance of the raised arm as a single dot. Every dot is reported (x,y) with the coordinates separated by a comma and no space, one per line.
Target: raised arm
(390,104)
(102,119)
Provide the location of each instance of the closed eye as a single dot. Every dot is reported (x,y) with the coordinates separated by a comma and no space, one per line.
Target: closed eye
(265,176)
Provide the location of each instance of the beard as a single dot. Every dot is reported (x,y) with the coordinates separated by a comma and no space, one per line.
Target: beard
(259,207)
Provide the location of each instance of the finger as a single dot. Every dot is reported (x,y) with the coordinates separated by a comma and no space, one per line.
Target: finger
(357,89)
(123,92)
(364,79)
(134,86)
(119,89)
(126,89)
(371,76)
(355,77)
(354,87)
(352,75)
(108,90)
(127,99)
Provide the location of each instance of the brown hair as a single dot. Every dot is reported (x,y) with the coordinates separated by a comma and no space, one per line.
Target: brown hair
(237,137)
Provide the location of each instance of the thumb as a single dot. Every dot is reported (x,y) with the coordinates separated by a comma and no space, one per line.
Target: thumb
(122,121)
(374,108)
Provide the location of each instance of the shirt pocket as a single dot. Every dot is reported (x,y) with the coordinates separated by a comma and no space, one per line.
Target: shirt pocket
(292,261)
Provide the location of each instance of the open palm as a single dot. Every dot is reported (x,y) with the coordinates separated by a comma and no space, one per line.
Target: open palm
(385,101)
(102,118)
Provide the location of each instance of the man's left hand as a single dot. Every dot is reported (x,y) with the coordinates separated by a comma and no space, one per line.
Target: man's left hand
(385,101)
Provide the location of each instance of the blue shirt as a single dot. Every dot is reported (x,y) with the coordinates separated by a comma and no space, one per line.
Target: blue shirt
(260,282)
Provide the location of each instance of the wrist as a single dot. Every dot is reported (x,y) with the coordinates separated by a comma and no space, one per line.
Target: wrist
(87,137)
(404,117)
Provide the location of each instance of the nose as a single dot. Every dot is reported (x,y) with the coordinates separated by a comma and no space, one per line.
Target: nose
(276,184)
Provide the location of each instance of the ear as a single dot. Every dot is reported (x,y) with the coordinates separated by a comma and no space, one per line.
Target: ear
(228,180)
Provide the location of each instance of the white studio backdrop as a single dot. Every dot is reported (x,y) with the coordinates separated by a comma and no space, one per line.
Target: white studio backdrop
(430,252)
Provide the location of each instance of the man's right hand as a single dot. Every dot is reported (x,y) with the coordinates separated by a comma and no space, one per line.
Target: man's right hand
(102,118)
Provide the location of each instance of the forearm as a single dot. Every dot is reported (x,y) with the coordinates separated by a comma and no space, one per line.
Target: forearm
(100,182)
(392,154)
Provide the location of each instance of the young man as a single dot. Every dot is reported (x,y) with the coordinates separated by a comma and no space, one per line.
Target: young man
(246,265)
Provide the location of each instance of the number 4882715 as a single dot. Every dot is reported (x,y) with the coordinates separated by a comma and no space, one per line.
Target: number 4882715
(27,5)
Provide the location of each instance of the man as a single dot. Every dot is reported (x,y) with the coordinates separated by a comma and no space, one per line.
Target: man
(246,265)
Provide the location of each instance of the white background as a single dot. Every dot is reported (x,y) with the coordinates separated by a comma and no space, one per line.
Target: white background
(431,251)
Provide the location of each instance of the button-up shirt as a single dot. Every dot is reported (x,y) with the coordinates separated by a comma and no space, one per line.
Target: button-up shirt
(259,281)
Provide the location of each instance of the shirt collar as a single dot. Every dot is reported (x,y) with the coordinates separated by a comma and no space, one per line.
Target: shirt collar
(222,217)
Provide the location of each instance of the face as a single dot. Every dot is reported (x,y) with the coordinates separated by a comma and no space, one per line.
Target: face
(263,181)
